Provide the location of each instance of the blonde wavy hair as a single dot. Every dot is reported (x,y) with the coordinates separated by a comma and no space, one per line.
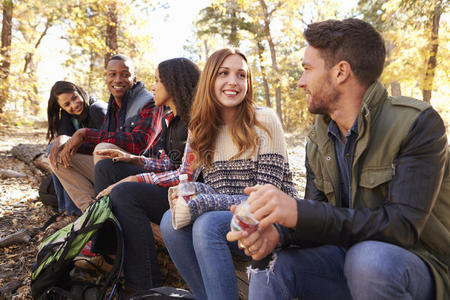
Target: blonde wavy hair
(206,117)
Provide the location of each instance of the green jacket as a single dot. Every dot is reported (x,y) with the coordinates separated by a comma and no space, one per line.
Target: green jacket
(400,183)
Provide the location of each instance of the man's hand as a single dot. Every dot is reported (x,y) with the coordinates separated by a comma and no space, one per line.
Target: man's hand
(270,205)
(71,147)
(258,244)
(57,145)
(118,155)
(107,191)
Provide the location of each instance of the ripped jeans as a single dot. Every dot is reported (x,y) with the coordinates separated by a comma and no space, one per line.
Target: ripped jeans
(367,270)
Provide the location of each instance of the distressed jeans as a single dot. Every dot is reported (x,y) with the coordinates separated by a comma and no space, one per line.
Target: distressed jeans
(203,256)
(368,270)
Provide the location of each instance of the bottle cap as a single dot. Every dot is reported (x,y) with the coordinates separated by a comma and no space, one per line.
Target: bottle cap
(183,177)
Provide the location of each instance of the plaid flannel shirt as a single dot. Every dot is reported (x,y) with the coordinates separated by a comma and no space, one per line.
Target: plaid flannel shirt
(163,163)
(143,136)
(170,178)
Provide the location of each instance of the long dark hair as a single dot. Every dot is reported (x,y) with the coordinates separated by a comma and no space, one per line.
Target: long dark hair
(54,111)
(180,76)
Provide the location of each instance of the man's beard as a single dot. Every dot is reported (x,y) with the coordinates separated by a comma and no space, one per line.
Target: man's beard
(324,101)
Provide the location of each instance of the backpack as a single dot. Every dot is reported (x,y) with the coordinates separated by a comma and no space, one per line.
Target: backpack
(47,193)
(51,278)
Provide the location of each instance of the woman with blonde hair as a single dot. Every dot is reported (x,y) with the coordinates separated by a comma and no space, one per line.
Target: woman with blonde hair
(232,145)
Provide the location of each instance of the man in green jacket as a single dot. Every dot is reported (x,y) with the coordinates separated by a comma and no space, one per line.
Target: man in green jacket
(375,220)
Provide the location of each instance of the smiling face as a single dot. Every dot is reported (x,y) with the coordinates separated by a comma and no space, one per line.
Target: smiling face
(161,96)
(72,103)
(231,84)
(321,94)
(119,79)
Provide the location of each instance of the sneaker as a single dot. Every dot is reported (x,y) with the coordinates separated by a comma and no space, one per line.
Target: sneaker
(95,263)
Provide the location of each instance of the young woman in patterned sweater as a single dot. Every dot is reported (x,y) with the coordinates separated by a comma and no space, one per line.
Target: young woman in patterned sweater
(233,145)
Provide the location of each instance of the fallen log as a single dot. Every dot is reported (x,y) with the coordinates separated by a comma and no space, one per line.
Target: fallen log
(42,163)
(6,173)
(19,237)
(34,156)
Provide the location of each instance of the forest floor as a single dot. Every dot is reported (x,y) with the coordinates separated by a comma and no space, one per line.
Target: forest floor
(20,209)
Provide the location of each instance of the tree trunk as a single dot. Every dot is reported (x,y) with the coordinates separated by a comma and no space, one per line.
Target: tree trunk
(396,88)
(5,52)
(434,46)
(29,55)
(263,73)
(206,49)
(111,32)
(273,56)
(234,37)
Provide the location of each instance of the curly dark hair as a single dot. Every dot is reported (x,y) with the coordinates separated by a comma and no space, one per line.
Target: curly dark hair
(352,40)
(54,111)
(180,76)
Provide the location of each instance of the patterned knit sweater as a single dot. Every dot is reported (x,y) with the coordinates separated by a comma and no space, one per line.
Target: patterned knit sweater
(225,180)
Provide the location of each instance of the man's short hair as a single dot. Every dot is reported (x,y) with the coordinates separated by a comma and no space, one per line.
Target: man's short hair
(351,40)
(127,60)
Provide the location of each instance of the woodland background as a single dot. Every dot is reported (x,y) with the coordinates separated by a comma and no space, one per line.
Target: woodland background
(268,31)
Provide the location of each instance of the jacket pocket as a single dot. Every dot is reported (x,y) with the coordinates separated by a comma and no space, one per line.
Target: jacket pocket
(323,185)
(375,176)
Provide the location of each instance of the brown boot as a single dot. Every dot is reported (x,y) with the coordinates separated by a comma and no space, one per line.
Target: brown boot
(94,263)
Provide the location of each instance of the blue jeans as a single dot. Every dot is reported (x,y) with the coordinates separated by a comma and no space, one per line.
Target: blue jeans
(368,270)
(203,256)
(64,201)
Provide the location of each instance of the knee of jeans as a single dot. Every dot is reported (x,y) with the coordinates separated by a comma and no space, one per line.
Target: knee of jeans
(209,226)
(102,146)
(120,198)
(368,260)
(102,166)
(166,224)
(263,274)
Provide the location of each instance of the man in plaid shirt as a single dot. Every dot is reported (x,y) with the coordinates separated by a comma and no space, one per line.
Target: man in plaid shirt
(132,123)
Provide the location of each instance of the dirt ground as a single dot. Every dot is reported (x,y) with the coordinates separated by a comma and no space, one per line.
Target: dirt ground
(20,209)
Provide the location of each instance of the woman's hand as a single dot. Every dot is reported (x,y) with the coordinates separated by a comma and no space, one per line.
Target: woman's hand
(57,145)
(118,155)
(107,191)
(71,147)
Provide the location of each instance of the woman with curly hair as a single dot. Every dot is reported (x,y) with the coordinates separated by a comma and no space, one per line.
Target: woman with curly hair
(134,203)
(69,109)
(233,145)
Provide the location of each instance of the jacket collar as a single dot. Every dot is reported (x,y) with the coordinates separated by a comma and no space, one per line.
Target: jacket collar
(373,98)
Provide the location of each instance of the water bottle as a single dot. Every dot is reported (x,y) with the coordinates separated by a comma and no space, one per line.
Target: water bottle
(185,191)
(243,219)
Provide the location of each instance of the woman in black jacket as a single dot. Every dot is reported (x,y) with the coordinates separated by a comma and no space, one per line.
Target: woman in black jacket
(132,201)
(69,109)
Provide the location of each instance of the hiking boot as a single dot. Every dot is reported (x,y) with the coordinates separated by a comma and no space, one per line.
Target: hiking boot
(95,263)
(63,221)
(60,222)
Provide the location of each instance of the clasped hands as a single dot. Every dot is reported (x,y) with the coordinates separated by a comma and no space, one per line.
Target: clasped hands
(268,205)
